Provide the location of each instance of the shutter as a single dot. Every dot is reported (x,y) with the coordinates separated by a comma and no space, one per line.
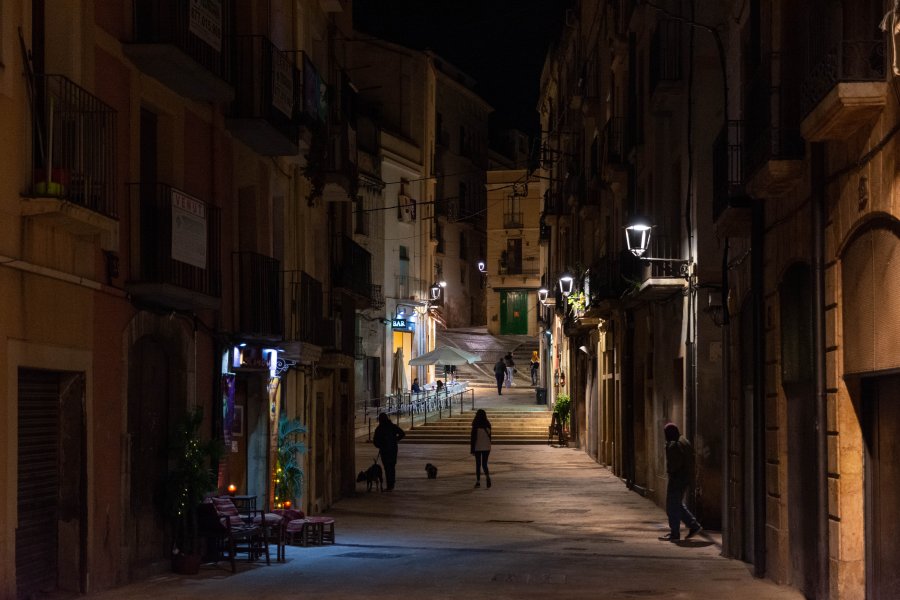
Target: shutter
(38,481)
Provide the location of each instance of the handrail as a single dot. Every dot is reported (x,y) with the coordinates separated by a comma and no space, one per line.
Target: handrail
(414,408)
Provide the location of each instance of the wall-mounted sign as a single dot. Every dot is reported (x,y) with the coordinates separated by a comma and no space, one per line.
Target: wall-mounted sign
(205,22)
(403,325)
(188,230)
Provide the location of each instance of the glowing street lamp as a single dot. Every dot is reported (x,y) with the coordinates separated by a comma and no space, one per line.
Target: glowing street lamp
(637,235)
(566,282)
(542,294)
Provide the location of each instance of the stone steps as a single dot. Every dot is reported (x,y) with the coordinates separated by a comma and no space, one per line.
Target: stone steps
(508,427)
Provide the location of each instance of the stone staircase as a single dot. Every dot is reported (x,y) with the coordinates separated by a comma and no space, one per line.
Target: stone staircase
(490,348)
(508,427)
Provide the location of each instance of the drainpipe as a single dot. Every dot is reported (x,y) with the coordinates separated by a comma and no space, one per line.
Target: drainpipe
(817,165)
(759,390)
(726,405)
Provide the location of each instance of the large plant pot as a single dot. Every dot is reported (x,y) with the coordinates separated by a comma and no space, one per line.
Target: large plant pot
(186,564)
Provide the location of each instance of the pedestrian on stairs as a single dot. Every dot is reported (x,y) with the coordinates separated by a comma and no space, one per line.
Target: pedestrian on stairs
(510,368)
(500,375)
(480,445)
(535,365)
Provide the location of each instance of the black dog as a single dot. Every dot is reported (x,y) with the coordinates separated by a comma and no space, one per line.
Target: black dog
(372,476)
(431,470)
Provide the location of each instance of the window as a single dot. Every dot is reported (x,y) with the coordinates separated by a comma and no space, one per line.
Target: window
(462,245)
(362,217)
(464,199)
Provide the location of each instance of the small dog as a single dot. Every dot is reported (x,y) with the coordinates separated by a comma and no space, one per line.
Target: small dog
(372,476)
(431,470)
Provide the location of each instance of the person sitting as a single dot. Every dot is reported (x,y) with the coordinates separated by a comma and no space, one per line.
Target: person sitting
(440,386)
(415,386)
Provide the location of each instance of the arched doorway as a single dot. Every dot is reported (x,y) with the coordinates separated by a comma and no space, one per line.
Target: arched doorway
(870,304)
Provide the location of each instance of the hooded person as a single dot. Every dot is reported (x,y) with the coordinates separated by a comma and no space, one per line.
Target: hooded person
(500,375)
(680,468)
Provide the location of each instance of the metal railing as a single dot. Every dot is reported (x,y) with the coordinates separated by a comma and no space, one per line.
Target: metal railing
(409,287)
(848,61)
(187,257)
(513,220)
(267,86)
(415,409)
(305,306)
(728,166)
(665,53)
(74,150)
(167,22)
(257,291)
(352,267)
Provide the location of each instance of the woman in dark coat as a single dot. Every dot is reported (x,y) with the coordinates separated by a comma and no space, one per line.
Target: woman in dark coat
(480,446)
(385,438)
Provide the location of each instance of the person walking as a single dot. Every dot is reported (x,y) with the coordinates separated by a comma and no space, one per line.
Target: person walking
(680,467)
(510,368)
(386,438)
(500,375)
(535,365)
(480,446)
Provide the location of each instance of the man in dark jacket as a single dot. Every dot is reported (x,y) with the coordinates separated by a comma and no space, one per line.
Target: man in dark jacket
(680,467)
(385,438)
(500,375)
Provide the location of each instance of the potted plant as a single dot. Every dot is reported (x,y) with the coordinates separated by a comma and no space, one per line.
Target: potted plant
(190,478)
(562,408)
(288,472)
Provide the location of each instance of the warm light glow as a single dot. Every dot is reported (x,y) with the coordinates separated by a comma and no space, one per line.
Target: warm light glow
(232,489)
(287,504)
(565,284)
(637,235)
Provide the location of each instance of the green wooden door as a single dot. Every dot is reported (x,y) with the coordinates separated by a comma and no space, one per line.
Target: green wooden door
(513,312)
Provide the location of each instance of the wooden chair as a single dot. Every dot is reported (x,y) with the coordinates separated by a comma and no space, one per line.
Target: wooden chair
(236,533)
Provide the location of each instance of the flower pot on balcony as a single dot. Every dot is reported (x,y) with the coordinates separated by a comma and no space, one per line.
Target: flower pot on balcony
(53,184)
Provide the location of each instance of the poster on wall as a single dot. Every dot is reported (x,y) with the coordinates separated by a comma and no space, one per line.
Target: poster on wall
(227,407)
(188,230)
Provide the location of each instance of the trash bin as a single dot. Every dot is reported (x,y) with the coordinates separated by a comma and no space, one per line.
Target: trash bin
(541,394)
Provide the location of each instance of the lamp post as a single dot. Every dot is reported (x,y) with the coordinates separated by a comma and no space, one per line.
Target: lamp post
(566,282)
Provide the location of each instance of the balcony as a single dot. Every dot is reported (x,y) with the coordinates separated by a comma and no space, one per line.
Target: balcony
(73,170)
(544,232)
(265,113)
(257,296)
(342,164)
(513,220)
(185,45)
(774,148)
(352,270)
(175,260)
(604,283)
(660,279)
(409,288)
(305,309)
(665,65)
(846,91)
(731,205)
(615,142)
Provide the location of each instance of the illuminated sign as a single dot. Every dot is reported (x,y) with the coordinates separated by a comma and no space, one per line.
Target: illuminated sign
(403,325)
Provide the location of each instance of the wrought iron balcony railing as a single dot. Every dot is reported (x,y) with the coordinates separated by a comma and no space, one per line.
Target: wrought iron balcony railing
(513,220)
(665,53)
(728,166)
(849,61)
(257,292)
(305,307)
(265,113)
(74,149)
(352,268)
(177,239)
(179,42)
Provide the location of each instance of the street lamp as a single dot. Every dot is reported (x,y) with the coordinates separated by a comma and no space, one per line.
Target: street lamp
(637,235)
(482,267)
(566,282)
(542,294)
(435,291)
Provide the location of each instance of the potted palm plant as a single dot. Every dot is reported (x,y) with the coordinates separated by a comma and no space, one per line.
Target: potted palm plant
(190,478)
(288,472)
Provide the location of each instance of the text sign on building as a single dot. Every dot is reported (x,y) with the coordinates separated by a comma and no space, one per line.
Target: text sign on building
(205,21)
(188,230)
(403,325)
(282,83)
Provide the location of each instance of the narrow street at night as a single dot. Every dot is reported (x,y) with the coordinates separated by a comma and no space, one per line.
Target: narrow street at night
(554,524)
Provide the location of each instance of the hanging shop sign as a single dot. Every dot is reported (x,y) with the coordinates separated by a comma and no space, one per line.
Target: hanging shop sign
(188,230)
(403,325)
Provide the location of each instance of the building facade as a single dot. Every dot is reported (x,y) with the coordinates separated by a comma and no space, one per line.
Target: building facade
(758,140)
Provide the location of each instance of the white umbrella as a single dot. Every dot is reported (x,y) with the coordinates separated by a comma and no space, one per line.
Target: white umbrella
(445,355)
